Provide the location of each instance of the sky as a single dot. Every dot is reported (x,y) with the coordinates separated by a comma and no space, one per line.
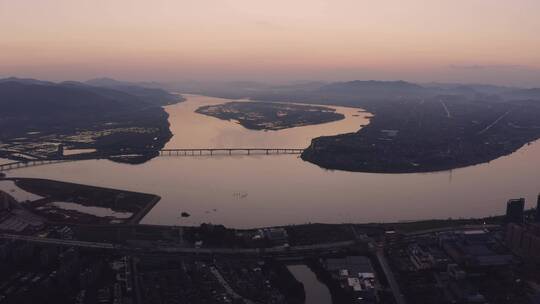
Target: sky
(480,41)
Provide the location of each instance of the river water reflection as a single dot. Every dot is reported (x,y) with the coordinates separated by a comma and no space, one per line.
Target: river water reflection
(192,130)
(260,190)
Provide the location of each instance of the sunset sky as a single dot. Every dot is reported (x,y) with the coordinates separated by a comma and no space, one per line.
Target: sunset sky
(483,41)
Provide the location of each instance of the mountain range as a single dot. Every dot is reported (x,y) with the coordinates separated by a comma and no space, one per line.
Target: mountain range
(354,93)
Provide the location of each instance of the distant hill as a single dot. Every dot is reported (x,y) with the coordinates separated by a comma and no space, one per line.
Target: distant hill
(116,95)
(36,116)
(468,88)
(533,94)
(375,89)
(26,81)
(33,98)
(108,82)
(155,96)
(360,92)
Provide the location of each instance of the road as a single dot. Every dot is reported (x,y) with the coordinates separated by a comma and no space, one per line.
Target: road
(228,287)
(277,251)
(445,109)
(452,228)
(379,252)
(494,123)
(272,251)
(60,242)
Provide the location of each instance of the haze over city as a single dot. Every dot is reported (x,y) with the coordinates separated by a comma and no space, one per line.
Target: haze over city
(476,41)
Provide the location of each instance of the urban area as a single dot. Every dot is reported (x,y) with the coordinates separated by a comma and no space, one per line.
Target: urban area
(49,257)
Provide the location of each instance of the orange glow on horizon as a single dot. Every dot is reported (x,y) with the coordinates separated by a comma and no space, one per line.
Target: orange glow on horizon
(235,39)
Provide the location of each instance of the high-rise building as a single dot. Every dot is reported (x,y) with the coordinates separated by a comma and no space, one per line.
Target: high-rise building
(60,151)
(524,240)
(537,217)
(5,200)
(514,210)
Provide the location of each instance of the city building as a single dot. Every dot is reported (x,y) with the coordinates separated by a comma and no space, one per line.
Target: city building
(524,240)
(424,257)
(514,210)
(5,201)
(537,217)
(458,289)
(277,236)
(60,151)
(474,249)
(355,274)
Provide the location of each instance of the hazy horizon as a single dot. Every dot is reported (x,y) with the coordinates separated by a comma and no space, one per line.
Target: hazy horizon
(476,41)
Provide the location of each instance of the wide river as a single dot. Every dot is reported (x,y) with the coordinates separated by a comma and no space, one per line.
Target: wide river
(259,190)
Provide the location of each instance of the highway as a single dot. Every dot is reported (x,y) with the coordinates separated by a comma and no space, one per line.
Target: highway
(228,287)
(273,251)
(59,242)
(452,228)
(445,109)
(494,123)
(379,252)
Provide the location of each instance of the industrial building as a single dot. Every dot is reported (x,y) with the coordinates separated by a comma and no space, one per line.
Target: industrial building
(354,274)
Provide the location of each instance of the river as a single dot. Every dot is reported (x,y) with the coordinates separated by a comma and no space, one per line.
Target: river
(259,190)
(5,161)
(316,292)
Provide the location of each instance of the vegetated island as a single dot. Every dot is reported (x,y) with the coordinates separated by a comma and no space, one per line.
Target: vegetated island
(271,116)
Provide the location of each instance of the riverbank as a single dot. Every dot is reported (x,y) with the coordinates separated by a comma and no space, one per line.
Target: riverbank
(219,236)
(69,203)
(412,137)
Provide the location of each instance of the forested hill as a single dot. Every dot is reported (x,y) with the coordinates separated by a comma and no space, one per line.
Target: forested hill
(36,116)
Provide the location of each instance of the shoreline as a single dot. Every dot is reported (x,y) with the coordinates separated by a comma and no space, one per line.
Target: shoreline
(271,116)
(85,196)
(134,220)
(435,169)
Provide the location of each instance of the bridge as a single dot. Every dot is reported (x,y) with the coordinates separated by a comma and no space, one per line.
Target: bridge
(229,151)
(165,152)
(31,163)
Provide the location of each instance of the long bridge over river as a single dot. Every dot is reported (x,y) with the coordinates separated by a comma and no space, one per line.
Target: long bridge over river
(229,151)
(31,163)
(165,152)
